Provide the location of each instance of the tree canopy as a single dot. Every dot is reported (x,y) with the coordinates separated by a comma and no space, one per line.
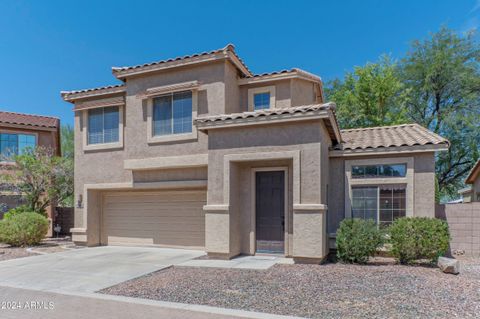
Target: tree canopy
(436,84)
(42,178)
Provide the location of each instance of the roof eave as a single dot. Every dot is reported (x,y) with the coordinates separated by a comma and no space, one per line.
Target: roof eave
(262,120)
(390,150)
(72,97)
(278,77)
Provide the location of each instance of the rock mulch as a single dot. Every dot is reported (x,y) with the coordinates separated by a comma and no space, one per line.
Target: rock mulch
(47,246)
(12,253)
(318,291)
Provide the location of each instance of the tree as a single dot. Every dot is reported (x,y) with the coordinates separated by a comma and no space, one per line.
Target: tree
(67,141)
(371,95)
(442,76)
(68,153)
(43,178)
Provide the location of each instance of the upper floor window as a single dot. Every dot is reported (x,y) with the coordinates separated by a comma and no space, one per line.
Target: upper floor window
(12,144)
(261,101)
(379,171)
(103,125)
(172,114)
(261,98)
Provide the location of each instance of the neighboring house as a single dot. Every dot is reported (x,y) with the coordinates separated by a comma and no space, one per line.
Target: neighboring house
(466,196)
(17,132)
(472,194)
(198,152)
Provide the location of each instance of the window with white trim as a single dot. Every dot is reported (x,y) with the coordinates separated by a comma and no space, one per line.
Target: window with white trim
(103,125)
(382,203)
(172,114)
(12,144)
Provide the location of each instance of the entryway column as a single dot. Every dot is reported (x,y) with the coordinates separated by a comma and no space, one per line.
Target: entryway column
(217,231)
(309,229)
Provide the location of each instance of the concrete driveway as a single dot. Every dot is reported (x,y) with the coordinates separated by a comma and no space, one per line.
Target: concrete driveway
(89,269)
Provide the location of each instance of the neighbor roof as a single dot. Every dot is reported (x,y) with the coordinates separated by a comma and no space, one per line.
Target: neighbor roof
(389,136)
(29,120)
(472,176)
(227,52)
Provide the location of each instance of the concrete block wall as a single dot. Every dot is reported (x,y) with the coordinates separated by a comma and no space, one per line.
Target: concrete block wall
(464,225)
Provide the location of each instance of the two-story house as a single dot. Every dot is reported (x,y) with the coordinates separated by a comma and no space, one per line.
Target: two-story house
(199,152)
(17,132)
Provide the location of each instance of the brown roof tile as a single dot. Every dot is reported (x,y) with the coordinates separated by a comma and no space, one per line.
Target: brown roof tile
(29,120)
(389,136)
(287,71)
(266,112)
(228,47)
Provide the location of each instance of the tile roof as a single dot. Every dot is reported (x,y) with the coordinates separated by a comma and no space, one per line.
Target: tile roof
(266,112)
(69,94)
(474,173)
(227,48)
(388,136)
(287,71)
(29,120)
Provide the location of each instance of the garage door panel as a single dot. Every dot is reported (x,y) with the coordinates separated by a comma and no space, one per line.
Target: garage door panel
(164,218)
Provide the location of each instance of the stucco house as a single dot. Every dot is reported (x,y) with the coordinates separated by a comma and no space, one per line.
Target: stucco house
(17,132)
(198,152)
(472,193)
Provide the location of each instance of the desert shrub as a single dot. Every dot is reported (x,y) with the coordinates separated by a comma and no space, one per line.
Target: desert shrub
(414,238)
(23,229)
(357,240)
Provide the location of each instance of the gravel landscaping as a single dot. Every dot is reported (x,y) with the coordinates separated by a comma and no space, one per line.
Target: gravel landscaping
(12,253)
(381,290)
(48,246)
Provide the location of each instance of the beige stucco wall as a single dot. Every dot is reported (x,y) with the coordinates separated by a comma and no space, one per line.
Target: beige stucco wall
(107,166)
(228,231)
(282,93)
(302,92)
(238,148)
(423,189)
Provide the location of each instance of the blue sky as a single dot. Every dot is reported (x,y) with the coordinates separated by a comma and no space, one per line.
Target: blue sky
(48,46)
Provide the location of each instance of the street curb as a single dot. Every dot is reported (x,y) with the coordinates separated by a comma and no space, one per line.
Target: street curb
(181,306)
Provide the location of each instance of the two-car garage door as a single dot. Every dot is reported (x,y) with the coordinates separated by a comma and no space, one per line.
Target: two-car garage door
(164,218)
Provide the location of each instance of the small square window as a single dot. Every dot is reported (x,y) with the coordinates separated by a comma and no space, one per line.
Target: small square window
(261,101)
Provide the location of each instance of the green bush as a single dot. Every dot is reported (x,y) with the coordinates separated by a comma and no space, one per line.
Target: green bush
(415,238)
(23,229)
(357,240)
(15,211)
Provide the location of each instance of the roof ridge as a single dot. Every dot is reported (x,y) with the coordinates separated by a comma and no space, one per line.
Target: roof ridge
(227,48)
(380,127)
(33,115)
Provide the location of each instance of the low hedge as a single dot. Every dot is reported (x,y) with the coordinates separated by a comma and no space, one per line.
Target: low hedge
(357,240)
(414,238)
(23,229)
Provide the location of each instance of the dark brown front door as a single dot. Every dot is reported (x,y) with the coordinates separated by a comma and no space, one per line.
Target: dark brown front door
(270,211)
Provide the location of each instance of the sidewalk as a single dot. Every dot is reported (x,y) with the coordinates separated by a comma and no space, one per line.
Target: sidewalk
(104,307)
